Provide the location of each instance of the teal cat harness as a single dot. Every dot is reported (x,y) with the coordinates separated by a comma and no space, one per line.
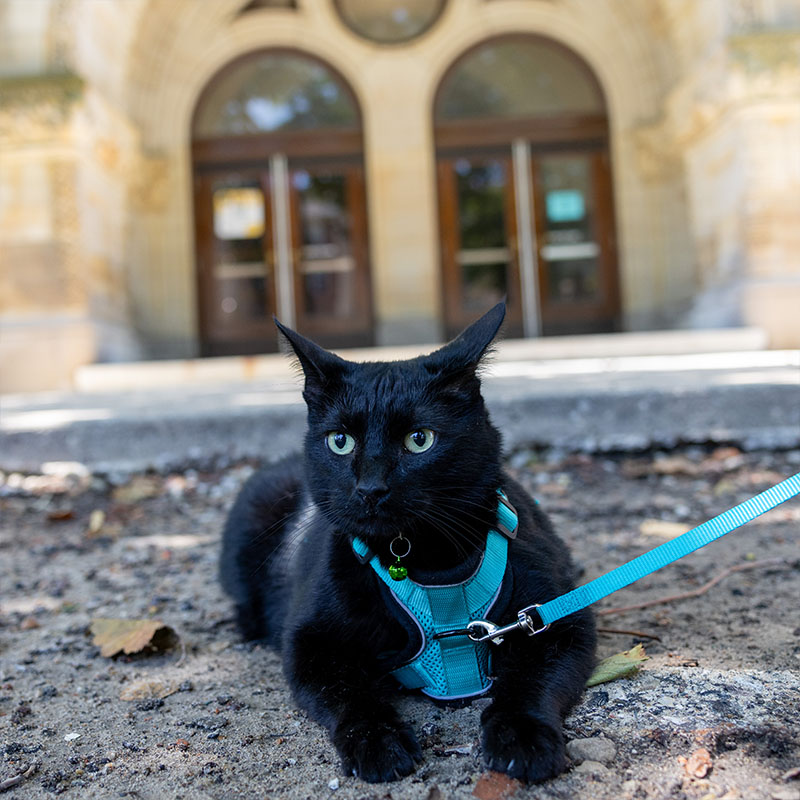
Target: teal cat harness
(447,666)
(453,661)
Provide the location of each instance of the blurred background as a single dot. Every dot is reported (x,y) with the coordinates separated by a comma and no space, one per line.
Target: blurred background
(379,172)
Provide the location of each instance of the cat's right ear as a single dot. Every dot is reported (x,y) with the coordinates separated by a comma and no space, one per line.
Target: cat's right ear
(319,366)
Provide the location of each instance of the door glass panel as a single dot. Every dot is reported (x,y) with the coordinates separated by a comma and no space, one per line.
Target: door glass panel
(274,92)
(518,77)
(569,251)
(326,262)
(242,283)
(484,255)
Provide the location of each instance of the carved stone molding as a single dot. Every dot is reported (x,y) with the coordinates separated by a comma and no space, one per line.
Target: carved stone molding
(31,104)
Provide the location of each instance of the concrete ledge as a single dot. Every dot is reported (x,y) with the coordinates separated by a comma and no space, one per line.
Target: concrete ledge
(150,374)
(764,416)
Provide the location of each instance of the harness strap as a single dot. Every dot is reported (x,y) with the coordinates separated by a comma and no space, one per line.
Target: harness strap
(451,667)
(669,551)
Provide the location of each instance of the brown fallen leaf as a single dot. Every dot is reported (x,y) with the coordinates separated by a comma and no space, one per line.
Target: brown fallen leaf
(147,690)
(698,765)
(495,786)
(620,665)
(131,635)
(60,514)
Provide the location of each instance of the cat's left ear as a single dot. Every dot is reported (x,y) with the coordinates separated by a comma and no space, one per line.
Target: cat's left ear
(320,367)
(465,352)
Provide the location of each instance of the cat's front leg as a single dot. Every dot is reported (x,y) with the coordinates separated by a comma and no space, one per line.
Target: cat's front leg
(377,748)
(339,685)
(538,680)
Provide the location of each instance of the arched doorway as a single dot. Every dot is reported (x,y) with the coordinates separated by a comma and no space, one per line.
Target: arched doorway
(280,206)
(525,199)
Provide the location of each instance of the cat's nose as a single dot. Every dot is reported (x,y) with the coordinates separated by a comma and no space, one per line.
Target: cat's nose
(372,492)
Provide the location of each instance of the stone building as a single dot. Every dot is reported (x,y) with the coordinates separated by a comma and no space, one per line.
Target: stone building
(175,172)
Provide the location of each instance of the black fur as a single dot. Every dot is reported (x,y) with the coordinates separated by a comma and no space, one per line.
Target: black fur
(288,563)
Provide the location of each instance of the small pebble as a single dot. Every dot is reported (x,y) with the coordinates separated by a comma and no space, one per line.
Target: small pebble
(597,748)
(333,785)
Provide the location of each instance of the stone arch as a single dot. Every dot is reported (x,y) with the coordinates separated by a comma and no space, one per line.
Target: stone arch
(176,51)
(178,47)
(614,39)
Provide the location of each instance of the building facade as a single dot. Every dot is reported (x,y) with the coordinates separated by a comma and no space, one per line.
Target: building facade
(175,172)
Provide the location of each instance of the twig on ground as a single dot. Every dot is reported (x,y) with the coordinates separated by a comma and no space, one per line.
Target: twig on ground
(10,783)
(639,634)
(767,562)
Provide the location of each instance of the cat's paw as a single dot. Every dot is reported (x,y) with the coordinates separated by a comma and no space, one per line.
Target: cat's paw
(522,746)
(378,752)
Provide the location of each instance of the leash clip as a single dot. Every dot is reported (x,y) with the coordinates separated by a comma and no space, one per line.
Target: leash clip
(481,630)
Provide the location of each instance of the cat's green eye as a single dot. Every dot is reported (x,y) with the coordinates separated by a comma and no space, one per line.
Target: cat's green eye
(341,443)
(420,440)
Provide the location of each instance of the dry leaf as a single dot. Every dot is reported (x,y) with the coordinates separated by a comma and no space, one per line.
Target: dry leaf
(662,528)
(131,635)
(147,690)
(96,521)
(60,514)
(495,786)
(141,487)
(621,665)
(698,765)
(674,465)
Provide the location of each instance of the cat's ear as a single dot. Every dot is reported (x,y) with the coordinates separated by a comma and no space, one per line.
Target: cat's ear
(319,366)
(465,352)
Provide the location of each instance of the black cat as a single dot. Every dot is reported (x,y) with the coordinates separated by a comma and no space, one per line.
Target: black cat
(402,474)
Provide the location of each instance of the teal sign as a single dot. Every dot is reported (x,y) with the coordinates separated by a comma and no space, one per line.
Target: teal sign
(565,205)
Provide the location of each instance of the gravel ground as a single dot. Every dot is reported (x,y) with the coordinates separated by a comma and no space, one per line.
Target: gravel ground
(713,713)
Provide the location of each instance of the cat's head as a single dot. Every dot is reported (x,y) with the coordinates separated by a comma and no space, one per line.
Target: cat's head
(404,446)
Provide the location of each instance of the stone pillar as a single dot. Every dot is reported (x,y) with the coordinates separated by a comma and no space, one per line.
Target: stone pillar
(765,77)
(44,330)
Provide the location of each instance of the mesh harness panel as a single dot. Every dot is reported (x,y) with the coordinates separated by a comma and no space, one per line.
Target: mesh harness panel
(453,667)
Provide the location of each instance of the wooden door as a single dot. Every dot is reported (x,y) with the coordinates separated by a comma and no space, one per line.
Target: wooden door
(330,253)
(574,227)
(236,277)
(478,239)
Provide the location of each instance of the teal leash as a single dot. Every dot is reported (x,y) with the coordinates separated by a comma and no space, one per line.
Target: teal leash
(639,567)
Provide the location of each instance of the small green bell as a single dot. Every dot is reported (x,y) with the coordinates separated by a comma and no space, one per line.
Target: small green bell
(397,572)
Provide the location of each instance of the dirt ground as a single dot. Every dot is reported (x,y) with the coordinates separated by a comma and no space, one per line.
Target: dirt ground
(714,713)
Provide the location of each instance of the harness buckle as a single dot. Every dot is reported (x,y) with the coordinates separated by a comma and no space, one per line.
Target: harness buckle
(509,533)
